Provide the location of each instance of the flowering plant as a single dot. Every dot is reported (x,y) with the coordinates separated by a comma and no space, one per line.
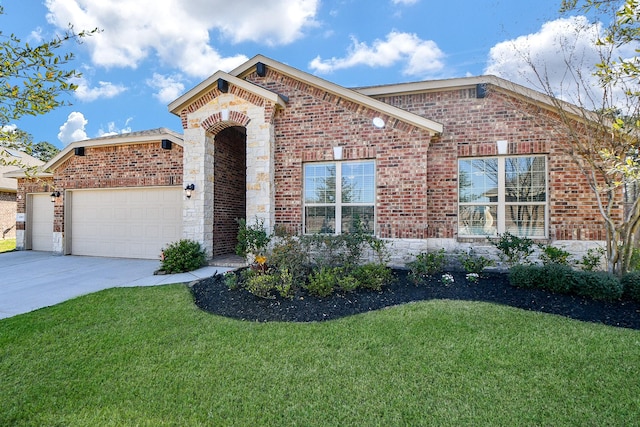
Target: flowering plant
(473,277)
(447,279)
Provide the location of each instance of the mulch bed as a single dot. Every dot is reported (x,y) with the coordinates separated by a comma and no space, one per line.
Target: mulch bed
(213,296)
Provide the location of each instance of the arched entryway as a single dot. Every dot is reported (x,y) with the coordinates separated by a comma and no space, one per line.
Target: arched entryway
(229,187)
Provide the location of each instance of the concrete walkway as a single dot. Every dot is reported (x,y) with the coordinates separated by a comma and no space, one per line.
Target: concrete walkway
(31,280)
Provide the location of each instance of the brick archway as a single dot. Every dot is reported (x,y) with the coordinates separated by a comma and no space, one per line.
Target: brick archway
(216,122)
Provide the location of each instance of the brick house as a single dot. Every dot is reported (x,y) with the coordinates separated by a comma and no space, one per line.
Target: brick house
(9,189)
(427,165)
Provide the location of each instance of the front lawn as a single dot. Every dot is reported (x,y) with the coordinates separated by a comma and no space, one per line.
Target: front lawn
(149,357)
(7,245)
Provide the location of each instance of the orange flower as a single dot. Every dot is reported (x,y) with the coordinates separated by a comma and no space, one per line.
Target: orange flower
(261,259)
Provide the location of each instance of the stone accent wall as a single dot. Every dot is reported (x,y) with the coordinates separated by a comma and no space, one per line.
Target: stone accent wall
(229,193)
(201,120)
(8,211)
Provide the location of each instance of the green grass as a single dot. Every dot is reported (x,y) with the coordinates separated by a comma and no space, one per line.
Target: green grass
(148,357)
(7,245)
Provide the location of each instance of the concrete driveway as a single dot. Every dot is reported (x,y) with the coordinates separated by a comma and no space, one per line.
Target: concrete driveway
(30,280)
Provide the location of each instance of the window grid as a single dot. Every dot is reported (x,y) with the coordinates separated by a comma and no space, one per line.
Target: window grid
(353,198)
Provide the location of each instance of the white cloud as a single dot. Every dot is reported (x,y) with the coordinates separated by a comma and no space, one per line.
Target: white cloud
(113,129)
(104,90)
(73,129)
(405,2)
(561,52)
(178,32)
(420,57)
(168,87)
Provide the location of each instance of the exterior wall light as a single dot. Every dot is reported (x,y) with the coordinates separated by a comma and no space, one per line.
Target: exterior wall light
(189,189)
(337,153)
(54,196)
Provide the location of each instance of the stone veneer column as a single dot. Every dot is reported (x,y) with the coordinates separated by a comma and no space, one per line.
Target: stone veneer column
(198,167)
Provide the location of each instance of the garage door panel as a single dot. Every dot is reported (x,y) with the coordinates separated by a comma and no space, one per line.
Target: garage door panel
(129,223)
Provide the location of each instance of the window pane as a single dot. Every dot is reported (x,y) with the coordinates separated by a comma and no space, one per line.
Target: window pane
(358,183)
(525,220)
(478,220)
(525,179)
(478,180)
(320,219)
(352,215)
(320,183)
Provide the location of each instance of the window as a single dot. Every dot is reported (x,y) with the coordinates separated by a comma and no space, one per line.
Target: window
(499,194)
(338,196)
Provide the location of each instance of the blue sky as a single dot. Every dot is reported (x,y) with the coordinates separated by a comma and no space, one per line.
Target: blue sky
(151,51)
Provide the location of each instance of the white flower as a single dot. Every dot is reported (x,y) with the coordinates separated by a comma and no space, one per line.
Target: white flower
(473,277)
(447,279)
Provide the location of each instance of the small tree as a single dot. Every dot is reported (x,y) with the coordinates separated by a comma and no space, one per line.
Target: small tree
(32,81)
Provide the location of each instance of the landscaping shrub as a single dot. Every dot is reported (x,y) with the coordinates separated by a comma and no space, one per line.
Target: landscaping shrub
(348,283)
(231,280)
(322,282)
(553,255)
(526,276)
(559,278)
(372,276)
(183,255)
(252,239)
(289,254)
(631,285)
(262,285)
(513,249)
(425,265)
(473,263)
(285,284)
(592,260)
(599,285)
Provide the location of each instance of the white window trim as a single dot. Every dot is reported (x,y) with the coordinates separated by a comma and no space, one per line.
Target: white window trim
(339,204)
(501,204)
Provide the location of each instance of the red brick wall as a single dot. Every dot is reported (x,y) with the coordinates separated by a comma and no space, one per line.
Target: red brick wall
(134,165)
(229,194)
(471,128)
(417,183)
(314,121)
(7,215)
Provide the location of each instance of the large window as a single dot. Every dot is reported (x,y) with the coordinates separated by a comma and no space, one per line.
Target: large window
(499,194)
(338,196)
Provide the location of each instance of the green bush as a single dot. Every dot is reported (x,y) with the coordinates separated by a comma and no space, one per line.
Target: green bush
(231,280)
(322,282)
(513,249)
(592,260)
(599,285)
(559,278)
(262,285)
(183,255)
(473,263)
(631,285)
(426,264)
(288,253)
(563,279)
(553,255)
(285,284)
(348,283)
(372,276)
(527,276)
(252,239)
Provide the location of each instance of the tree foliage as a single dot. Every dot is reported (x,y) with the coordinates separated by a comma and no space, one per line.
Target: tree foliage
(604,131)
(33,79)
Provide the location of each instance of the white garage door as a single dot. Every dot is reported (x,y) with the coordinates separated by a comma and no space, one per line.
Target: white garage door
(41,222)
(126,223)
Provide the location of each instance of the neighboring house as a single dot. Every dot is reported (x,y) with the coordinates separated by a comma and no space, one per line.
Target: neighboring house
(8,189)
(427,165)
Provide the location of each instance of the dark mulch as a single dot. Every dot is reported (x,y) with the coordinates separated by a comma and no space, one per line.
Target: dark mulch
(213,296)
